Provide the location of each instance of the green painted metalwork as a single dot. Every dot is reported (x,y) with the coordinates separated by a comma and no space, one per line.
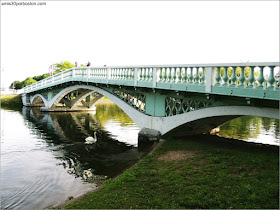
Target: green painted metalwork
(196,78)
(271,79)
(174,75)
(225,77)
(180,75)
(218,77)
(202,78)
(233,78)
(251,78)
(175,106)
(137,100)
(165,74)
(191,76)
(242,78)
(261,78)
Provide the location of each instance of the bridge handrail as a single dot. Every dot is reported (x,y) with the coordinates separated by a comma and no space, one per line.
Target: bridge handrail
(165,76)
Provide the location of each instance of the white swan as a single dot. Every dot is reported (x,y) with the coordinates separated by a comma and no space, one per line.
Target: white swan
(91,140)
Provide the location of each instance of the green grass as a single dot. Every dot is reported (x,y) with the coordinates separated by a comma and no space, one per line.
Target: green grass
(222,174)
(11,101)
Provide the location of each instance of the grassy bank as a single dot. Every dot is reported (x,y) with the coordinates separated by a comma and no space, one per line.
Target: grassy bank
(200,172)
(11,101)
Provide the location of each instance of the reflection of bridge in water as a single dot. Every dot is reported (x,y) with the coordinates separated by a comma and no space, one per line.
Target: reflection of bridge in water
(189,98)
(65,135)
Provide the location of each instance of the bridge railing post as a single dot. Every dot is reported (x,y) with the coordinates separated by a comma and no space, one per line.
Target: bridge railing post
(155,76)
(210,78)
(108,70)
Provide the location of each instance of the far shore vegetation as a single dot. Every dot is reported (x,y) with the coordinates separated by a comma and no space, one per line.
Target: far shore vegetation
(200,172)
(11,101)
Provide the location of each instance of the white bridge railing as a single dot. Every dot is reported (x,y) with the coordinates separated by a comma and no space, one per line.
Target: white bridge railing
(230,78)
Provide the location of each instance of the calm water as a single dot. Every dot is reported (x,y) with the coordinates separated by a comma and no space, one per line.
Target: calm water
(44,158)
(252,129)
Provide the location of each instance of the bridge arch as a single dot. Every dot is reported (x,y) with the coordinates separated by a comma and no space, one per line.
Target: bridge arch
(37,97)
(140,119)
(209,118)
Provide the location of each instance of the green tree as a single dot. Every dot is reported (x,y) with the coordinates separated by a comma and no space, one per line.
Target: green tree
(28,81)
(41,77)
(16,84)
(62,66)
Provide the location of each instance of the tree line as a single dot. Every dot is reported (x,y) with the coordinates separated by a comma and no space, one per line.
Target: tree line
(57,67)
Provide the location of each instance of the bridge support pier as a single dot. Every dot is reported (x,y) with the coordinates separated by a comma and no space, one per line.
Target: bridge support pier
(147,134)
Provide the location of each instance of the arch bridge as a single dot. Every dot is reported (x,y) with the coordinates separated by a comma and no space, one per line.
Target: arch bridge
(193,98)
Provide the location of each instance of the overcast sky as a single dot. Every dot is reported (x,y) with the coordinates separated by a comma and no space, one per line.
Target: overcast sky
(135,33)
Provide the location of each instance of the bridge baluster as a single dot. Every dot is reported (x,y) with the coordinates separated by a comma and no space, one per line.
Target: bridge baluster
(120,74)
(271,79)
(191,76)
(277,79)
(123,73)
(144,74)
(185,74)
(251,78)
(96,73)
(147,74)
(160,75)
(112,73)
(225,77)
(233,77)
(132,73)
(115,74)
(180,75)
(151,74)
(202,77)
(169,74)
(196,75)
(218,77)
(128,74)
(165,75)
(261,78)
(93,73)
(242,77)
(174,75)
(141,74)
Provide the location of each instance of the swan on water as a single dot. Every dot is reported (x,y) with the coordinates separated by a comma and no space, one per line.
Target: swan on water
(90,139)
